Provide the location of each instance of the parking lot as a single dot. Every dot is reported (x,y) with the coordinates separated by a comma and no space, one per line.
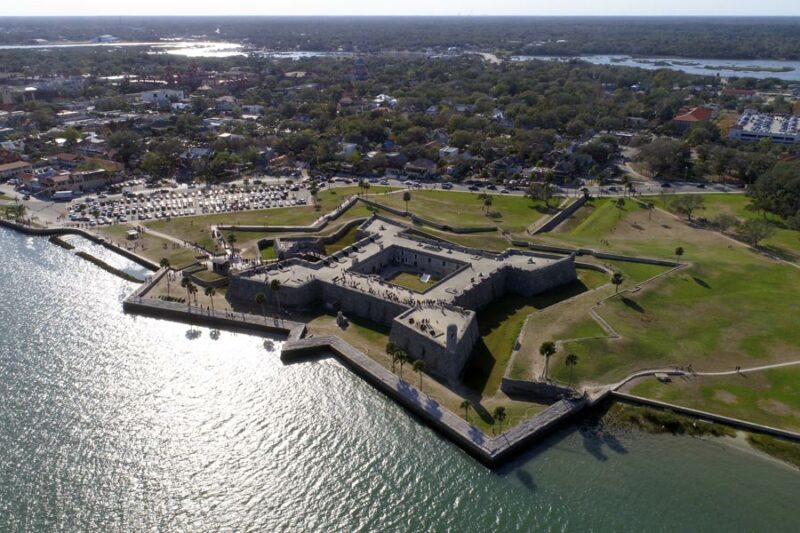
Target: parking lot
(133,206)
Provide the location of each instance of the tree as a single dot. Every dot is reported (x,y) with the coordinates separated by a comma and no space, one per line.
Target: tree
(153,163)
(724,221)
(275,286)
(402,358)
(72,136)
(187,284)
(487,203)
(232,240)
(418,365)
(546,350)
(617,280)
(261,299)
(211,292)
(540,191)
(665,156)
(192,289)
(500,415)
(391,350)
(466,405)
(406,199)
(687,204)
(755,230)
(127,144)
(679,251)
(571,361)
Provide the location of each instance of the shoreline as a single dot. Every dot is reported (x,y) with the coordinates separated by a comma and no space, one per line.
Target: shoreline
(491,451)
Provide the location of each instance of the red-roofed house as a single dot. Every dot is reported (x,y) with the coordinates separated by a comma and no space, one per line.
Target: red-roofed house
(687,117)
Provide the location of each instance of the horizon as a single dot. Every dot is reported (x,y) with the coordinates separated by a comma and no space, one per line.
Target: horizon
(411,8)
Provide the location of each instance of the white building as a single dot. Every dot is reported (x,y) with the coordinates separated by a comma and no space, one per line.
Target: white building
(754,126)
(161,97)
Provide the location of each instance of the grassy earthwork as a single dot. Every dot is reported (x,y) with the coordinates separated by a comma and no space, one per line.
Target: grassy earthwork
(512,213)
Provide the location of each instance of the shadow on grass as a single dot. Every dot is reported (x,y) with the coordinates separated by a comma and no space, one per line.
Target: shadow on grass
(781,253)
(512,307)
(631,304)
(701,282)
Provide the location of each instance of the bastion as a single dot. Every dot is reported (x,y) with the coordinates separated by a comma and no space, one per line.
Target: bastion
(436,324)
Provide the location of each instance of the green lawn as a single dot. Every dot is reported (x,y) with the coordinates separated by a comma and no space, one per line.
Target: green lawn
(771,397)
(268,253)
(208,275)
(466,209)
(411,280)
(150,246)
(732,306)
(785,242)
(343,242)
(500,324)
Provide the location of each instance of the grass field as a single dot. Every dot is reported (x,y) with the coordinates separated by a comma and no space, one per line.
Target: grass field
(500,324)
(731,307)
(411,280)
(150,246)
(771,397)
(343,242)
(784,243)
(466,209)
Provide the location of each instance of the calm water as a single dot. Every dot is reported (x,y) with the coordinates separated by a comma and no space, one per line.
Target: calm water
(116,423)
(690,66)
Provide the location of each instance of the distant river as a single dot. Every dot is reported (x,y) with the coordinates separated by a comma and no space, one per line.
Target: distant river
(110,422)
(183,48)
(730,67)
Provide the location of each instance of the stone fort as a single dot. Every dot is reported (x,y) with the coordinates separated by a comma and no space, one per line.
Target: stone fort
(437,325)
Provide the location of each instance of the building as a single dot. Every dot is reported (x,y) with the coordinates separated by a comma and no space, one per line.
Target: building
(348,149)
(688,117)
(753,126)
(448,152)
(12,170)
(161,97)
(420,168)
(225,103)
(78,182)
(436,324)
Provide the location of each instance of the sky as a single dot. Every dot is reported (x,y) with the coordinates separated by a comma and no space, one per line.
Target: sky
(403,7)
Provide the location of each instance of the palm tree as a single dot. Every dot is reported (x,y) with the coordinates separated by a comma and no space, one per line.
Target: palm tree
(418,365)
(547,349)
(192,288)
(402,358)
(571,361)
(500,415)
(391,350)
(679,252)
(617,280)
(406,199)
(186,283)
(649,206)
(465,405)
(366,187)
(260,300)
(165,264)
(211,292)
(275,286)
(487,203)
(232,240)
